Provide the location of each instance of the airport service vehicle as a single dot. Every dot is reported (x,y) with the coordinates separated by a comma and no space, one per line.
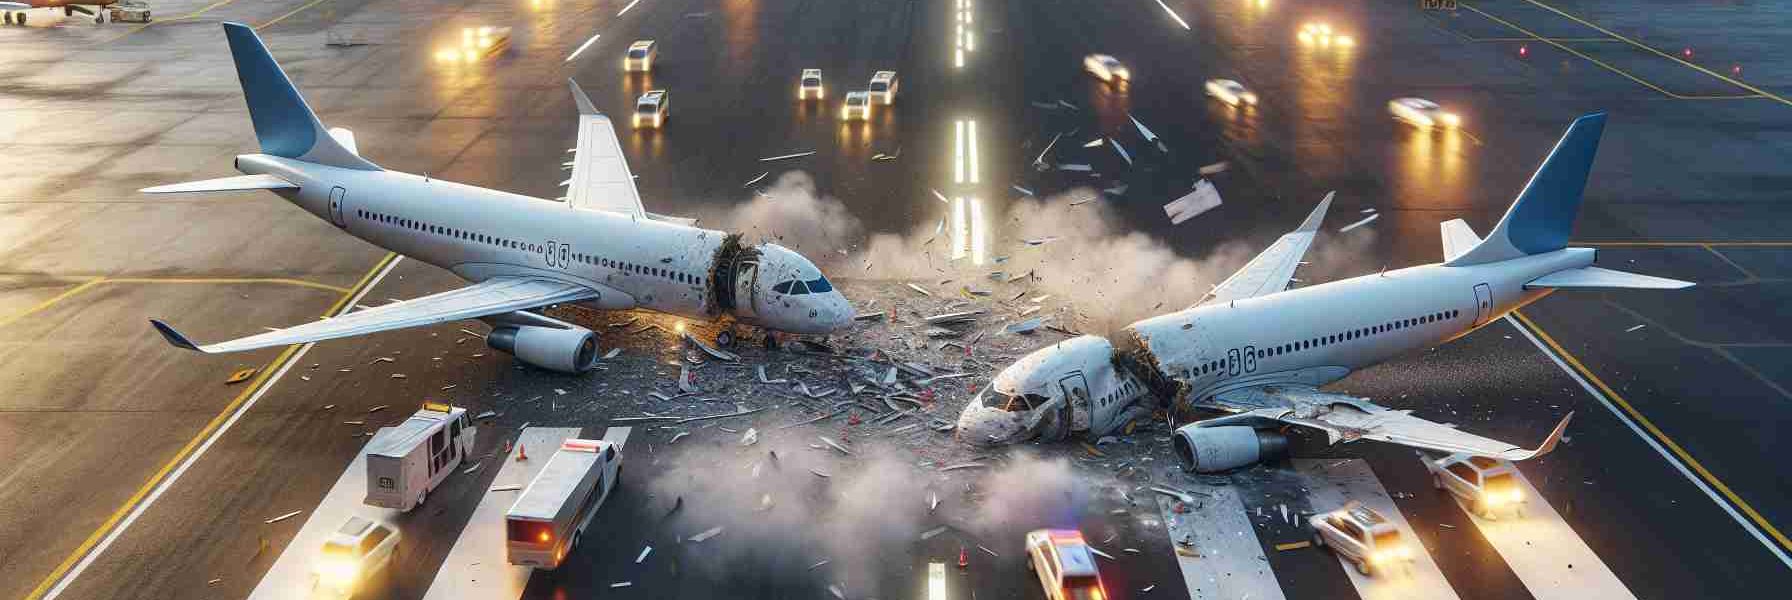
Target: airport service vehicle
(640,56)
(14,10)
(475,44)
(551,516)
(651,110)
(1360,535)
(1485,485)
(1064,564)
(809,86)
(599,248)
(1423,113)
(1252,354)
(1106,68)
(883,87)
(1231,92)
(1322,35)
(129,11)
(856,107)
(357,551)
(409,459)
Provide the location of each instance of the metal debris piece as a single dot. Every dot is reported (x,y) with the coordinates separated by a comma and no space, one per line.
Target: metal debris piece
(819,564)
(356,423)
(1040,241)
(707,417)
(1039,163)
(1361,223)
(472,469)
(969,465)
(718,353)
(1293,545)
(1204,198)
(1093,143)
(1022,190)
(1215,168)
(677,436)
(398,376)
(835,445)
(760,370)
(1102,554)
(923,290)
(708,533)
(1121,150)
(750,437)
(755,180)
(954,317)
(472,334)
(929,534)
(875,316)
(991,552)
(819,473)
(785,156)
(889,377)
(941,197)
(1026,327)
(1143,132)
(508,487)
(1634,328)
(622,584)
(1077,167)
(834,588)
(377,408)
(241,375)
(485,415)
(283,517)
(1066,105)
(933,501)
(1148,588)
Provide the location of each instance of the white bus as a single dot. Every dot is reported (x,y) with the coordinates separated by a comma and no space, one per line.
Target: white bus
(406,461)
(553,512)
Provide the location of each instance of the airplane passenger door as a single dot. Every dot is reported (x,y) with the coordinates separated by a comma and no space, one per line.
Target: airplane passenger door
(336,200)
(1483,303)
(745,272)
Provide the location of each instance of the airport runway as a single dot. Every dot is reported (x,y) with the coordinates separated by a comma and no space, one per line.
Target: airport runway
(120,485)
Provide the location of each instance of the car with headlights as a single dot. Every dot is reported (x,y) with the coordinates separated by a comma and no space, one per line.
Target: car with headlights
(651,110)
(856,106)
(356,552)
(1423,113)
(640,56)
(1487,486)
(1065,565)
(809,86)
(1106,68)
(883,87)
(1362,536)
(1231,92)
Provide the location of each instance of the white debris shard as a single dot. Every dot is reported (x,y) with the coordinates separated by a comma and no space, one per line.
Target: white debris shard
(784,156)
(1093,143)
(1022,190)
(508,487)
(1634,328)
(1083,168)
(760,371)
(756,179)
(1102,554)
(750,437)
(835,445)
(1038,242)
(613,353)
(622,584)
(923,290)
(1143,132)
(283,517)
(1121,150)
(1204,198)
(1215,168)
(708,533)
(1361,223)
(929,534)
(1039,162)
(941,197)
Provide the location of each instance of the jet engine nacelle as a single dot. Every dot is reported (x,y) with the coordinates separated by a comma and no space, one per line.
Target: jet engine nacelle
(1215,449)
(571,350)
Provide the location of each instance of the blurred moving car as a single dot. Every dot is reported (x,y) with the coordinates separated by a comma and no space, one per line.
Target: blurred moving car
(1485,485)
(1065,566)
(856,107)
(640,56)
(1422,112)
(1231,92)
(651,110)
(1106,68)
(883,87)
(810,86)
(358,550)
(1360,535)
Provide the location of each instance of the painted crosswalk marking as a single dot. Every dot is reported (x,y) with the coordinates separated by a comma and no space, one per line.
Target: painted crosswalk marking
(1220,541)
(477,567)
(291,576)
(1546,554)
(1338,481)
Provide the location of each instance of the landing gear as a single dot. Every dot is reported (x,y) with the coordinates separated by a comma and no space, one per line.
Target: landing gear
(725,338)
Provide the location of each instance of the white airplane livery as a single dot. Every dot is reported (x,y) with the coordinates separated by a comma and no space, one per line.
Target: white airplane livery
(599,249)
(1256,353)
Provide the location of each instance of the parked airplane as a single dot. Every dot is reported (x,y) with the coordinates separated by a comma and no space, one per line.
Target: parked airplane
(1257,354)
(14,9)
(600,249)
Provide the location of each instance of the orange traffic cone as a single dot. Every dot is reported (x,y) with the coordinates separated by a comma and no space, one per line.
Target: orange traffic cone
(522,452)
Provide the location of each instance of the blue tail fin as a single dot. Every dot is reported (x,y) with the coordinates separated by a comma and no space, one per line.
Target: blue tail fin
(284,124)
(1542,217)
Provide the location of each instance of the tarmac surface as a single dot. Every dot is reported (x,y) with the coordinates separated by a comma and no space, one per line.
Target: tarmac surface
(119,483)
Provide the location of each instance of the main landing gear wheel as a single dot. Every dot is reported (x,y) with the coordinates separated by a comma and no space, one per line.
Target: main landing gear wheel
(725,338)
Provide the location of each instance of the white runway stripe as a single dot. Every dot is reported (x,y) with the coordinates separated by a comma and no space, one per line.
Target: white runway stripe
(1546,554)
(477,567)
(291,576)
(1225,559)
(1335,482)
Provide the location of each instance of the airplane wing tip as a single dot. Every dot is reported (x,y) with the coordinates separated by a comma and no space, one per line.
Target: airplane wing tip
(1548,445)
(174,337)
(579,97)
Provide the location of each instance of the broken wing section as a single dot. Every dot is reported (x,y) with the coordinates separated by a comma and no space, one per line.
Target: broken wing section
(490,297)
(1270,271)
(1348,418)
(600,176)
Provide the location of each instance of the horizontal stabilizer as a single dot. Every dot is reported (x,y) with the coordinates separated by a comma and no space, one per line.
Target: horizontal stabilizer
(239,183)
(1459,238)
(1595,277)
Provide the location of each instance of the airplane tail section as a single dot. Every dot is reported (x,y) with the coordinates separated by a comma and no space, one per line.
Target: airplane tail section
(284,123)
(1542,217)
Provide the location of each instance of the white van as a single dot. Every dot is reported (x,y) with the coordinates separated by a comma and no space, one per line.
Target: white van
(547,521)
(883,87)
(640,56)
(406,461)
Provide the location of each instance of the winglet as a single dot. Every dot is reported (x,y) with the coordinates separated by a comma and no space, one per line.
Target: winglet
(1318,214)
(1548,444)
(174,337)
(578,95)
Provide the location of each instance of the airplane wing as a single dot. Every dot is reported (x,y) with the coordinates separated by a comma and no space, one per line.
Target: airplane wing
(1348,418)
(490,297)
(600,176)
(15,5)
(1270,271)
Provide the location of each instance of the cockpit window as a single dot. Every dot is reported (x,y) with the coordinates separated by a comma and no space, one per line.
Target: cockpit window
(1012,403)
(792,287)
(820,285)
(783,288)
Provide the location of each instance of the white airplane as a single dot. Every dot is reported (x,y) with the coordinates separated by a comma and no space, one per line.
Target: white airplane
(1257,353)
(600,249)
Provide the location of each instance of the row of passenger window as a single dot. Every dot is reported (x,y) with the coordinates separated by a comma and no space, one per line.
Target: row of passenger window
(473,236)
(1220,365)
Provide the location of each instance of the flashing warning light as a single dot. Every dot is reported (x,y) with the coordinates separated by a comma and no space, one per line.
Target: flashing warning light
(1524,50)
(1686,52)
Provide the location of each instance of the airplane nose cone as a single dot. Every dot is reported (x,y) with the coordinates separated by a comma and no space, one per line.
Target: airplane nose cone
(841,311)
(984,426)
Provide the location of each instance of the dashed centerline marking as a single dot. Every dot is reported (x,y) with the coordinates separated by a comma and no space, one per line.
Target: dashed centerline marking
(121,519)
(1753,522)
